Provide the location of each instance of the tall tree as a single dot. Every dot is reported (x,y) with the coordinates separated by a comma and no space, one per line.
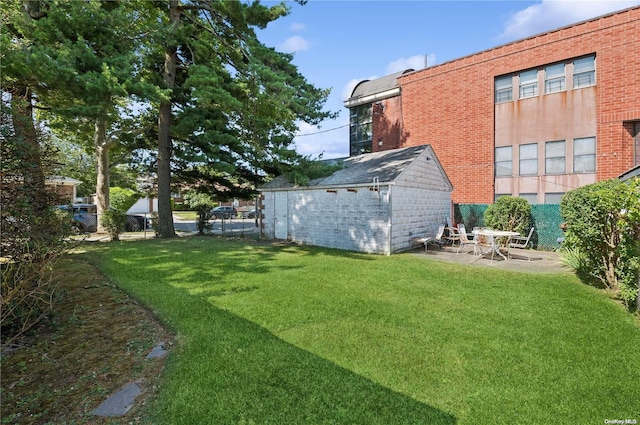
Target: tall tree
(79,60)
(216,70)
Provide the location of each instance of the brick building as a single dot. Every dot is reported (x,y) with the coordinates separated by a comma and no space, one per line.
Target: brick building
(533,118)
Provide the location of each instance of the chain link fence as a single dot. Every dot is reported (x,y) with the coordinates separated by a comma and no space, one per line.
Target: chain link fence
(546,219)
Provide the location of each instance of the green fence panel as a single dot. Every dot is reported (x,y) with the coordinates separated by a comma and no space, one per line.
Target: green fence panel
(546,219)
(472,215)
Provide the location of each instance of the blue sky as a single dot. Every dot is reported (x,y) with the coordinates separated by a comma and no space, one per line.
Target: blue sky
(337,44)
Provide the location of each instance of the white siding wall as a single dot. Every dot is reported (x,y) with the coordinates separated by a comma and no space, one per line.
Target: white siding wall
(368,221)
(415,213)
(354,221)
(421,201)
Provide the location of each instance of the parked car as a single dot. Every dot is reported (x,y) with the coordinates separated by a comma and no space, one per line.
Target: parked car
(224,212)
(137,223)
(249,213)
(85,216)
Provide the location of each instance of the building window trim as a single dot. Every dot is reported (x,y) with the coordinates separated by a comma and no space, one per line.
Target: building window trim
(528,159)
(504,161)
(584,155)
(555,157)
(503,88)
(528,84)
(554,78)
(584,72)
(361,129)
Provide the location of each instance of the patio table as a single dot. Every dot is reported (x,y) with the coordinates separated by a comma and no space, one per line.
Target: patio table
(494,237)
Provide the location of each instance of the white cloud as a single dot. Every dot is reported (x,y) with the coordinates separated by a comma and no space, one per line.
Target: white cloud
(550,14)
(330,142)
(298,26)
(294,44)
(414,62)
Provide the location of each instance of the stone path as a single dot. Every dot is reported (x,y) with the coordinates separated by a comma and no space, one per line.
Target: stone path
(119,403)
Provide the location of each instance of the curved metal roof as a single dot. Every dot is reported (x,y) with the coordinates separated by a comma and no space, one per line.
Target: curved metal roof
(379,85)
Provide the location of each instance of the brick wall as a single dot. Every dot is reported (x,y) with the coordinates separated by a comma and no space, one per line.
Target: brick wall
(450,106)
(387,125)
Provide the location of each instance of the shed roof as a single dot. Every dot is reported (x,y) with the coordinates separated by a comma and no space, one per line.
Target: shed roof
(630,173)
(386,166)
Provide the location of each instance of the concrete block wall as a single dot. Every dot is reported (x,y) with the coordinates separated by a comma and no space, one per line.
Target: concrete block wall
(417,212)
(450,106)
(353,220)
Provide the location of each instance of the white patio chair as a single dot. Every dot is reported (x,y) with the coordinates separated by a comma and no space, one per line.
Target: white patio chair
(464,240)
(452,235)
(437,239)
(521,241)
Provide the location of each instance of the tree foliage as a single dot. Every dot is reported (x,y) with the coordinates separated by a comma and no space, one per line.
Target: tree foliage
(222,107)
(603,224)
(202,203)
(233,105)
(123,198)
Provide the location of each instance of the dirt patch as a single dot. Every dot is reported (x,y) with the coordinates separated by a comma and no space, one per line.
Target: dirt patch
(96,342)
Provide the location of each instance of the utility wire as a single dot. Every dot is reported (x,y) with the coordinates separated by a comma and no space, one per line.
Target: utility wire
(323,131)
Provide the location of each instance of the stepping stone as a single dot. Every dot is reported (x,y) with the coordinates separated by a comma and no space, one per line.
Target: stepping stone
(120,402)
(157,351)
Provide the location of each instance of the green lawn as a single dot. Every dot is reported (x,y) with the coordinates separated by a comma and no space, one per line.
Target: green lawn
(186,215)
(303,335)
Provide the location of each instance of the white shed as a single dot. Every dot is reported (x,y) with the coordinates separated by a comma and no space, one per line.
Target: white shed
(375,203)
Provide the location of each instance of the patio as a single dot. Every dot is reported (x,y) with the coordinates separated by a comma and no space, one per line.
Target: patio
(527,260)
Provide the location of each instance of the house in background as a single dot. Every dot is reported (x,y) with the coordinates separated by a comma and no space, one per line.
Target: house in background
(66,187)
(533,118)
(375,203)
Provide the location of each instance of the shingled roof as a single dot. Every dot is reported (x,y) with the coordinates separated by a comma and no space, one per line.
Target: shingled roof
(386,166)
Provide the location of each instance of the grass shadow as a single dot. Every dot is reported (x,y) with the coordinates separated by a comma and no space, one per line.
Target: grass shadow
(233,370)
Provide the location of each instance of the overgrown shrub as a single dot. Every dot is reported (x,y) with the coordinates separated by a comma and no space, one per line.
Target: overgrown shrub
(603,225)
(34,236)
(202,203)
(114,222)
(509,213)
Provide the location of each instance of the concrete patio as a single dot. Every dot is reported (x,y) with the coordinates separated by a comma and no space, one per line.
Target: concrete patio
(523,260)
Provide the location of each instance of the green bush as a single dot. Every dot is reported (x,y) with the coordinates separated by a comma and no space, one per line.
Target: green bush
(603,225)
(114,222)
(122,199)
(202,203)
(509,213)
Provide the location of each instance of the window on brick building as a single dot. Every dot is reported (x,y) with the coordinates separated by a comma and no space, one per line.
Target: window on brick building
(553,197)
(554,78)
(504,163)
(531,198)
(528,83)
(584,155)
(584,72)
(529,159)
(555,157)
(360,123)
(504,89)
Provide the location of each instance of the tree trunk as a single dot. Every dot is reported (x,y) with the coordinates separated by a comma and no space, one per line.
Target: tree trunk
(102,165)
(165,227)
(27,143)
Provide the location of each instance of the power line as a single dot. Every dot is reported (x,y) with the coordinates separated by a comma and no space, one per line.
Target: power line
(323,131)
